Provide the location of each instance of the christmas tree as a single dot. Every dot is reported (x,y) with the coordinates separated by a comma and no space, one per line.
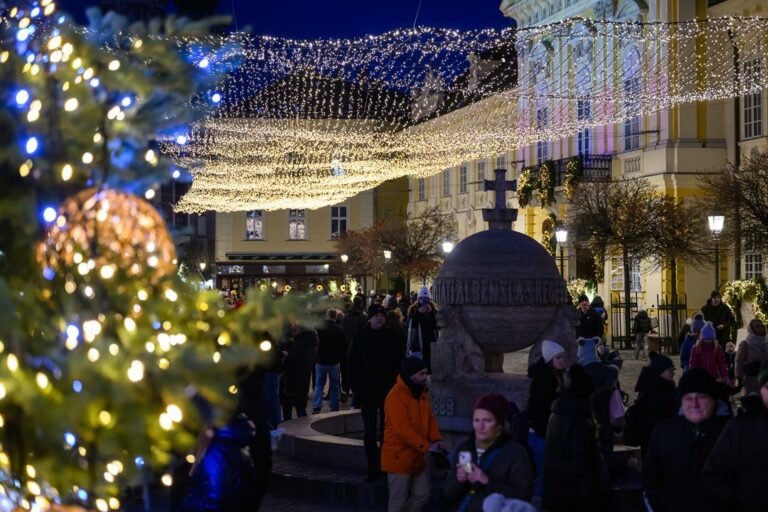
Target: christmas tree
(103,348)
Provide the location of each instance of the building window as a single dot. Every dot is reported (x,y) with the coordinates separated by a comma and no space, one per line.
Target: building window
(617,274)
(447,182)
(480,175)
(583,138)
(753,103)
(297,225)
(338,220)
(463,179)
(254,225)
(631,126)
(421,184)
(753,259)
(542,146)
(501,162)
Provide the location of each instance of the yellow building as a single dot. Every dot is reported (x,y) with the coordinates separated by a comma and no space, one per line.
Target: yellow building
(668,147)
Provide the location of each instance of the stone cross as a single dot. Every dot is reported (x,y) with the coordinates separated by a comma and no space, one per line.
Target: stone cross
(500,217)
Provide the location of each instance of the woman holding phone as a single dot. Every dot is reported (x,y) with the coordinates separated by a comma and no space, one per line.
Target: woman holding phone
(489,461)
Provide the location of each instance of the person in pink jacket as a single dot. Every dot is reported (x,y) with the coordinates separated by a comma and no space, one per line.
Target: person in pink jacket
(708,355)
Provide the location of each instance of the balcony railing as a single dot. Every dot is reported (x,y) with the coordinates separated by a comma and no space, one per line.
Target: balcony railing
(594,168)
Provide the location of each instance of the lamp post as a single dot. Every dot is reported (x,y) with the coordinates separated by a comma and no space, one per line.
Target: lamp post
(387,257)
(716,227)
(448,246)
(344,259)
(562,237)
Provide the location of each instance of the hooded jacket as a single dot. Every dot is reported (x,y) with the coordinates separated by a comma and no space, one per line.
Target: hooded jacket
(410,428)
(749,356)
(543,391)
(656,401)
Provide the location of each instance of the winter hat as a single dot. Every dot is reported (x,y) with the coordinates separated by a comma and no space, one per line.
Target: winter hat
(375,309)
(496,405)
(549,349)
(660,363)
(587,352)
(698,322)
(578,381)
(756,327)
(496,502)
(423,293)
(697,380)
(708,332)
(411,365)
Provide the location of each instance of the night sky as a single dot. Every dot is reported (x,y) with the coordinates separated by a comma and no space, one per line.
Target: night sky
(311,19)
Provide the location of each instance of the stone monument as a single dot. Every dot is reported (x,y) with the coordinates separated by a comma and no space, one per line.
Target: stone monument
(499,291)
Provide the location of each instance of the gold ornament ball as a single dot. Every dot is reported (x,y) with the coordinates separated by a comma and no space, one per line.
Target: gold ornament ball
(109,227)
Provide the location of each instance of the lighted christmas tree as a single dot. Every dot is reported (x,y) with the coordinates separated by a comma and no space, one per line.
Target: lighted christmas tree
(102,345)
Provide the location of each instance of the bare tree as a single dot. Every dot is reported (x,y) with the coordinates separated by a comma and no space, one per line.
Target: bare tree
(364,252)
(740,195)
(680,236)
(616,217)
(416,243)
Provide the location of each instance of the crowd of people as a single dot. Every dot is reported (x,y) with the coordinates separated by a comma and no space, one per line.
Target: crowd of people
(701,449)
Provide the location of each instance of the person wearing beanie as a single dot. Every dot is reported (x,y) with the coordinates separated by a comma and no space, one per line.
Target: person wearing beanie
(421,327)
(573,466)
(410,432)
(546,376)
(707,354)
(679,447)
(717,312)
(736,471)
(489,460)
(697,323)
(604,378)
(656,400)
(373,366)
(750,355)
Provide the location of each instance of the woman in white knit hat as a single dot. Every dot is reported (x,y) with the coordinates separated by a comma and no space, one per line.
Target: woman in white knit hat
(546,376)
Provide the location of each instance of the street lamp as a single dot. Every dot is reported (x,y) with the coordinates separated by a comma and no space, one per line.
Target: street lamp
(387,256)
(448,246)
(344,258)
(562,237)
(716,227)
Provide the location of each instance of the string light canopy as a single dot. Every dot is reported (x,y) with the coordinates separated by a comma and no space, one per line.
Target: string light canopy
(305,124)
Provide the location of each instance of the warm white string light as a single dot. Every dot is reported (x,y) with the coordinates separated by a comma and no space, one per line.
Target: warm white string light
(310,123)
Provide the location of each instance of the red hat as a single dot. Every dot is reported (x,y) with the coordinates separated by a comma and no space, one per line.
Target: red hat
(496,405)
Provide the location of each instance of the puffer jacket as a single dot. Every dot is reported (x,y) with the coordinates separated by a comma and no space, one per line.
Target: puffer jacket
(409,428)
(709,355)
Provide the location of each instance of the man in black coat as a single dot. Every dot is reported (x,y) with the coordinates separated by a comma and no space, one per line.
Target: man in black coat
(736,471)
(354,320)
(300,353)
(374,363)
(656,396)
(590,320)
(679,448)
(720,315)
(331,352)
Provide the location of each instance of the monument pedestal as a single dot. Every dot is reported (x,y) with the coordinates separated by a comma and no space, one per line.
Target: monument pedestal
(453,402)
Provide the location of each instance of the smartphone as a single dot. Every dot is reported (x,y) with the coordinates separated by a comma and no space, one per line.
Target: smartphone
(465,459)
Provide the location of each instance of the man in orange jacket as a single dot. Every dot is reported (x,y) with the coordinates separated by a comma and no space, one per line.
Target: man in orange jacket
(410,431)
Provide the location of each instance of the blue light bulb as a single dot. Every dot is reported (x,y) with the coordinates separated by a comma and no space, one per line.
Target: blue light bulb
(126,102)
(77,386)
(216,97)
(31,145)
(203,63)
(48,273)
(181,140)
(49,214)
(22,97)
(70,439)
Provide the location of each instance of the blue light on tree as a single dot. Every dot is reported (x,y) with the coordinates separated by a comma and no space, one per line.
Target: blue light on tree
(31,145)
(49,214)
(22,97)
(216,97)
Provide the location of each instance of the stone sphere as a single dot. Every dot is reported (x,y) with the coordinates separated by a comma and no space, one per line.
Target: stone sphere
(505,287)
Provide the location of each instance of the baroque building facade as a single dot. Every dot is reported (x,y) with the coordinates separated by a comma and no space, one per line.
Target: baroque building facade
(668,147)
